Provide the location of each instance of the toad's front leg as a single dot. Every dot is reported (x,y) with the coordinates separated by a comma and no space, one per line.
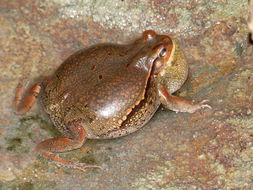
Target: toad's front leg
(179,104)
(49,147)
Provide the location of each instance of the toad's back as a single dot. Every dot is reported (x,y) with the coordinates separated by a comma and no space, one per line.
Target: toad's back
(101,85)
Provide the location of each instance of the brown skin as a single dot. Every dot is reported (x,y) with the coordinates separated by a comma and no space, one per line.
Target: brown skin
(108,91)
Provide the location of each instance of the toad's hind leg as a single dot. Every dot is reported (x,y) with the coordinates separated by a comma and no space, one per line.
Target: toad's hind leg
(49,147)
(24,103)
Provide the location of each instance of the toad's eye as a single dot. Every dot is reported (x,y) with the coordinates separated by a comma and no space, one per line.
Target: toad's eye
(163,52)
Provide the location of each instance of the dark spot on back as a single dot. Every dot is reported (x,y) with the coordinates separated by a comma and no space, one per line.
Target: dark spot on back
(121,54)
(93,67)
(100,76)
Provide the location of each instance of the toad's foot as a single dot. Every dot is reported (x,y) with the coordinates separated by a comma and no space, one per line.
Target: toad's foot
(66,163)
(23,103)
(192,107)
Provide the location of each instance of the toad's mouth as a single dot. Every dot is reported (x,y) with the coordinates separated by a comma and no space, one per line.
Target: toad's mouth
(158,66)
(154,70)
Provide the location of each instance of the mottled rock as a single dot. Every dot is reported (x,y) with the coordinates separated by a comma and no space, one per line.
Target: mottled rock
(211,149)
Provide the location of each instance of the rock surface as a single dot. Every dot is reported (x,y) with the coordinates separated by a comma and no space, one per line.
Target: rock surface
(210,149)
